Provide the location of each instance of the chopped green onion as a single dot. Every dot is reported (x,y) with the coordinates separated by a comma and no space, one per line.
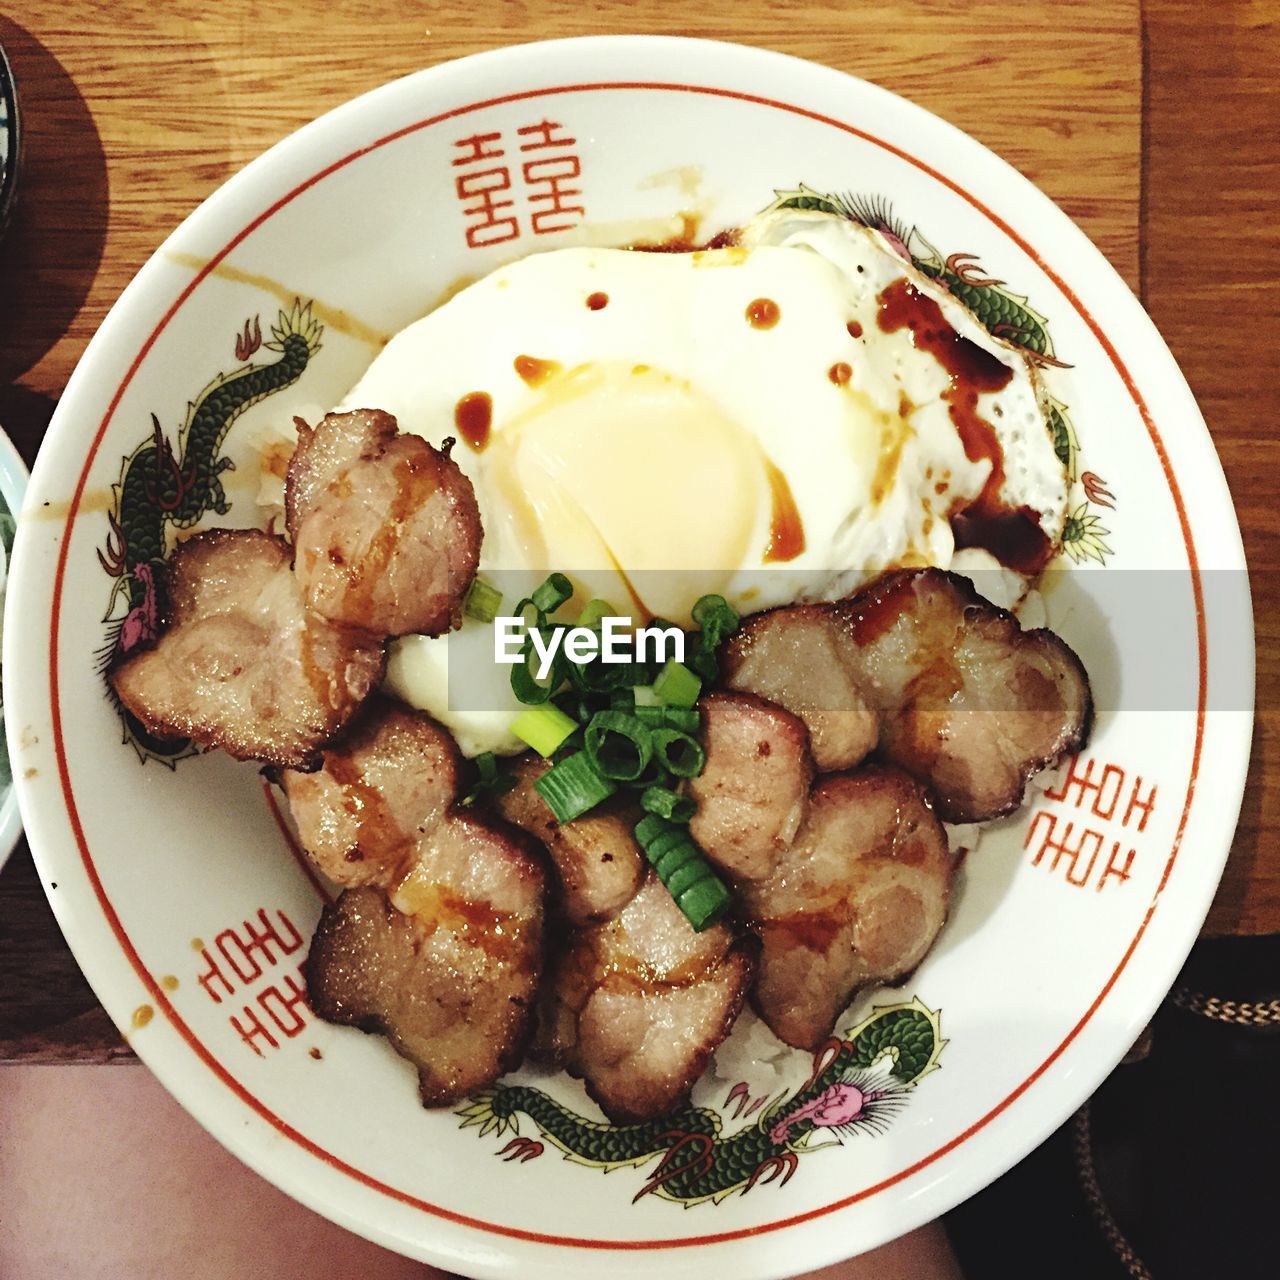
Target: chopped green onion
(654,775)
(680,854)
(482,601)
(677,686)
(529,613)
(575,705)
(645,696)
(544,728)
(618,745)
(716,614)
(594,610)
(705,902)
(572,787)
(667,804)
(638,675)
(596,676)
(622,700)
(526,686)
(492,781)
(678,753)
(717,620)
(686,719)
(553,593)
(698,891)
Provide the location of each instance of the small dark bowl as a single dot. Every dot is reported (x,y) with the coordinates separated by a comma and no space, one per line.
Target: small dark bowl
(10,138)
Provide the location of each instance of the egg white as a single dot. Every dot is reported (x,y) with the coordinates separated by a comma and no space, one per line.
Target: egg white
(638,459)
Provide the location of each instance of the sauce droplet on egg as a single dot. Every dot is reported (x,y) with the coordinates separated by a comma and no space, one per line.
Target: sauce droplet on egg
(1012,535)
(535,371)
(763,313)
(840,373)
(597,301)
(854,328)
(786,530)
(473,416)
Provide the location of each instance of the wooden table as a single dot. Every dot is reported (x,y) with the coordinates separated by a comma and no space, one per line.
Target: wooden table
(1154,128)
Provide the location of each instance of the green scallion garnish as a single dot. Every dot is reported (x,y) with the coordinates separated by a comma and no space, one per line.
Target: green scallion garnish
(552,594)
(686,719)
(572,787)
(699,893)
(618,745)
(526,685)
(677,686)
(718,620)
(593,611)
(715,614)
(482,601)
(667,804)
(598,677)
(544,727)
(491,781)
(679,754)
(530,614)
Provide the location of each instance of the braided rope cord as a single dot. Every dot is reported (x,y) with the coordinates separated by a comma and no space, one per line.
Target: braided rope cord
(1241,1013)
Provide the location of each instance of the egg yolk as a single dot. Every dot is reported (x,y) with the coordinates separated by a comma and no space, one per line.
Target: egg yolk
(635,483)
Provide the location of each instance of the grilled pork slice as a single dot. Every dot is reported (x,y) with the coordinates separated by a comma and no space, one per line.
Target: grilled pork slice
(389,782)
(857,899)
(970,703)
(325,453)
(794,656)
(636,1006)
(241,664)
(599,865)
(754,790)
(949,687)
(446,966)
(386,529)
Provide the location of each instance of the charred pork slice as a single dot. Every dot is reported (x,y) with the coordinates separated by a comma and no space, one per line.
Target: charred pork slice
(754,790)
(796,658)
(447,965)
(326,452)
(858,899)
(386,529)
(599,865)
(241,664)
(389,782)
(636,1006)
(971,704)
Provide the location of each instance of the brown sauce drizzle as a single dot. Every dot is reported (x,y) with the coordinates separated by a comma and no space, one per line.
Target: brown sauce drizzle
(813,930)
(687,241)
(474,924)
(377,831)
(473,416)
(1012,535)
(879,608)
(417,478)
(854,328)
(840,373)
(763,313)
(786,529)
(535,371)
(597,301)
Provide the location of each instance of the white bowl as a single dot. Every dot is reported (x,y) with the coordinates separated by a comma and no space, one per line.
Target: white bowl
(13,484)
(162,877)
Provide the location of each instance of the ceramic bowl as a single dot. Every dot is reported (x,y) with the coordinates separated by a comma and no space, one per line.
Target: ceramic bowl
(171,873)
(13,484)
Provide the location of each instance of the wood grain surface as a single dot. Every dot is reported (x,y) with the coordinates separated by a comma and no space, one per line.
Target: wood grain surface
(135,112)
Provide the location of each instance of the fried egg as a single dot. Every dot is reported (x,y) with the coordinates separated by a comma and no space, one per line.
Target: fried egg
(773,421)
